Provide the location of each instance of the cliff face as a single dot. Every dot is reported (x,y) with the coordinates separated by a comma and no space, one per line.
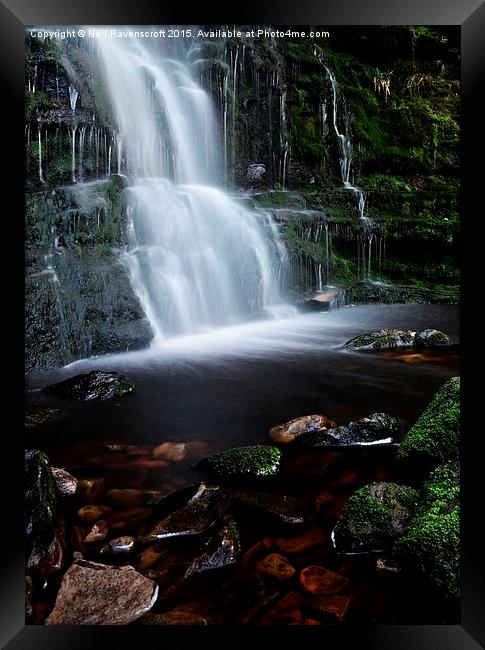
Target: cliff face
(397,99)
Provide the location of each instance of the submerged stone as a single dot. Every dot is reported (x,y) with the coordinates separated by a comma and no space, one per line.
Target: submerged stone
(199,512)
(430,546)
(219,552)
(96,594)
(277,508)
(373,517)
(329,608)
(254,461)
(276,566)
(378,428)
(430,338)
(289,431)
(95,385)
(319,581)
(435,436)
(383,339)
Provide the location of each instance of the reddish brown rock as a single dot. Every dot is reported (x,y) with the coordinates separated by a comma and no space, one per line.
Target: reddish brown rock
(267,543)
(318,580)
(248,557)
(348,478)
(96,594)
(329,608)
(90,488)
(66,483)
(301,543)
(276,566)
(196,449)
(92,513)
(286,610)
(98,532)
(148,558)
(149,463)
(311,621)
(289,431)
(173,451)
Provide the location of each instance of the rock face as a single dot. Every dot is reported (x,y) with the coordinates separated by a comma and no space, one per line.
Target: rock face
(43,523)
(95,385)
(378,428)
(254,461)
(255,172)
(289,431)
(431,338)
(430,545)
(383,339)
(96,594)
(374,517)
(435,436)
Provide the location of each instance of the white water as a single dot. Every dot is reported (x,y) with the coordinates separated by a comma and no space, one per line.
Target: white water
(197,259)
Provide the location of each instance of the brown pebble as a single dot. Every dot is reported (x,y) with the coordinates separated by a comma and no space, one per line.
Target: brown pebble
(286,610)
(318,580)
(276,566)
(98,532)
(267,543)
(130,497)
(330,607)
(92,513)
(287,432)
(311,621)
(148,558)
(300,543)
(90,488)
(173,451)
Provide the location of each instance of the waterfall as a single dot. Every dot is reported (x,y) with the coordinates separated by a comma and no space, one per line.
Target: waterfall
(196,258)
(41,177)
(73,154)
(73,95)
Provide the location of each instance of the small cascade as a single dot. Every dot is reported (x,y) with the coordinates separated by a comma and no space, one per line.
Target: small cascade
(73,153)
(82,133)
(119,151)
(73,97)
(39,135)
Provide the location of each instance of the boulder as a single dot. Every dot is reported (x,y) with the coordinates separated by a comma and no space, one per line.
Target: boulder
(252,462)
(430,338)
(96,594)
(95,385)
(383,339)
(65,482)
(429,548)
(375,429)
(435,436)
(289,431)
(374,517)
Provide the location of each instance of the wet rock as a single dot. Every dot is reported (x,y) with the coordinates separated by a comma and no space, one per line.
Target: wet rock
(431,338)
(301,543)
(378,428)
(373,517)
(286,610)
(43,520)
(319,581)
(429,548)
(192,511)
(28,599)
(277,508)
(172,451)
(129,497)
(286,433)
(276,566)
(96,594)
(90,488)
(98,532)
(66,483)
(320,301)
(219,552)
(119,547)
(252,462)
(329,608)
(95,385)
(435,436)
(92,513)
(383,339)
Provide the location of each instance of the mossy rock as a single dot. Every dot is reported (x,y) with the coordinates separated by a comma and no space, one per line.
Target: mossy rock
(435,436)
(430,338)
(42,513)
(374,517)
(430,546)
(254,461)
(95,385)
(383,339)
(377,428)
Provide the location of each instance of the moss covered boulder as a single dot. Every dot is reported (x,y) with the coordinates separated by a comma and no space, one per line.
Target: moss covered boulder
(430,545)
(431,338)
(435,436)
(375,429)
(374,517)
(383,339)
(95,385)
(253,461)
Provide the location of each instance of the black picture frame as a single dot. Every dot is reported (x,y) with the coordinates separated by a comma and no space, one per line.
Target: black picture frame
(14,16)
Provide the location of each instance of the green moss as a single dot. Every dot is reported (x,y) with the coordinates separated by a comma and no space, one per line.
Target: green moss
(429,338)
(435,437)
(243,462)
(384,339)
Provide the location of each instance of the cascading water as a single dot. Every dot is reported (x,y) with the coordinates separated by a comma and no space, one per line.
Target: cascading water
(197,259)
